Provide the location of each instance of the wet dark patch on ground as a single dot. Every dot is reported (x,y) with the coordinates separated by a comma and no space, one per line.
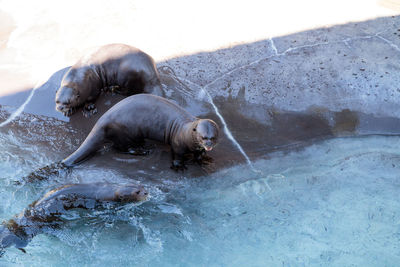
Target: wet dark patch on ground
(259,129)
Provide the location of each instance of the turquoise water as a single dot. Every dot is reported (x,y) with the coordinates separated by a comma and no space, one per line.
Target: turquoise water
(332,203)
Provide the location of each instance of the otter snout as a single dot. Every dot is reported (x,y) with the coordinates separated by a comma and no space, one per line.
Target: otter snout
(140,194)
(66,99)
(60,107)
(208,145)
(7,238)
(207,134)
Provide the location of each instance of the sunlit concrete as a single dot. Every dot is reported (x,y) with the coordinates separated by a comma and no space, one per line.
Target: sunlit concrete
(37,38)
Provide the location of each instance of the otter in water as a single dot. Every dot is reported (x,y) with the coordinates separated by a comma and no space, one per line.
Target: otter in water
(145,116)
(46,212)
(125,69)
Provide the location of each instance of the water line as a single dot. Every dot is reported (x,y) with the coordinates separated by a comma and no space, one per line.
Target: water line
(227,131)
(21,108)
(230,136)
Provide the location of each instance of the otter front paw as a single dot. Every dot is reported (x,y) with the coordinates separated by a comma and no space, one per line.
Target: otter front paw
(178,165)
(115,89)
(203,159)
(68,112)
(200,157)
(89,109)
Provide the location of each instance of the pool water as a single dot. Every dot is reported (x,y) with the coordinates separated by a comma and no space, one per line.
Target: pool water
(334,202)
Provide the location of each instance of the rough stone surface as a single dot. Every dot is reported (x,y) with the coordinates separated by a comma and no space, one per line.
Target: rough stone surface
(275,84)
(361,74)
(203,68)
(353,66)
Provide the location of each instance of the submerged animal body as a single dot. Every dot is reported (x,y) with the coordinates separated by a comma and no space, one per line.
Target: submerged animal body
(120,66)
(145,116)
(45,213)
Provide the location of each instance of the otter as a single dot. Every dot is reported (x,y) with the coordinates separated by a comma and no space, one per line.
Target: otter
(123,68)
(146,116)
(46,212)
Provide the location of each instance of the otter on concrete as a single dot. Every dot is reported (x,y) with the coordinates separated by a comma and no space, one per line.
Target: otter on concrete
(46,212)
(120,66)
(144,116)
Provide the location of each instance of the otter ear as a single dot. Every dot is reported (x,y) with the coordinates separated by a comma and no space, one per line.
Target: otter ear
(194,129)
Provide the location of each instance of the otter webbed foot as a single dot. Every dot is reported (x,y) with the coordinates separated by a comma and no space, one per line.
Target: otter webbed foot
(178,165)
(178,161)
(89,109)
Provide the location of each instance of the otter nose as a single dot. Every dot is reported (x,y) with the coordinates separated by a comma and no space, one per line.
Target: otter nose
(208,143)
(59,107)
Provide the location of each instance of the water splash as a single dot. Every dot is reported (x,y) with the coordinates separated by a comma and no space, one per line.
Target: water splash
(18,112)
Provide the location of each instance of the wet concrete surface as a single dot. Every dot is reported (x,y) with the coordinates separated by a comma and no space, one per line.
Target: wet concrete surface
(259,129)
(277,90)
(275,94)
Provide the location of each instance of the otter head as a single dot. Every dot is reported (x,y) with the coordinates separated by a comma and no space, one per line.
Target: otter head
(131,193)
(8,239)
(66,100)
(206,134)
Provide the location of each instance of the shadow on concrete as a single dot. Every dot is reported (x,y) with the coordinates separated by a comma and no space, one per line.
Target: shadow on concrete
(304,87)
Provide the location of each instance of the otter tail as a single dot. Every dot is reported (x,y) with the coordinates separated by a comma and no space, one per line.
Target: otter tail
(91,145)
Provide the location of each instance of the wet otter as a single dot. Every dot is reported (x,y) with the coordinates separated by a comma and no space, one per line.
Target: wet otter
(120,66)
(47,211)
(145,116)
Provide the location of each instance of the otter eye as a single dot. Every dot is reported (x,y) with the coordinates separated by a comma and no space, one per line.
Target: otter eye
(138,192)
(194,129)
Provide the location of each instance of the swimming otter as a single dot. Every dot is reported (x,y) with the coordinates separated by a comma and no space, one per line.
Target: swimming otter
(46,212)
